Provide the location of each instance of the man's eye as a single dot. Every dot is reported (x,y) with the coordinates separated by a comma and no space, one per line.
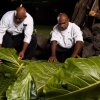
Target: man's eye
(61,23)
(18,18)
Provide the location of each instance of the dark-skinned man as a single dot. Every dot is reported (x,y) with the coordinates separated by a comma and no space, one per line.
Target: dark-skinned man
(66,40)
(16,31)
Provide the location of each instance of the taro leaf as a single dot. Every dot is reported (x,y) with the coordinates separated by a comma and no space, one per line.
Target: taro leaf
(20,90)
(10,55)
(42,71)
(7,77)
(80,80)
(8,69)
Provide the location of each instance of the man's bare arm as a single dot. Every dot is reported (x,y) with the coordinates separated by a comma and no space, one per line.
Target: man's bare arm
(53,58)
(21,54)
(77,49)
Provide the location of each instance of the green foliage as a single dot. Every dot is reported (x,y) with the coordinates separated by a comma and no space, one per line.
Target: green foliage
(7,77)
(76,79)
(33,72)
(80,80)
(20,90)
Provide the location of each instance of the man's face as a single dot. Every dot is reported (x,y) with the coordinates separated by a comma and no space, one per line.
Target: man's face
(62,23)
(19,18)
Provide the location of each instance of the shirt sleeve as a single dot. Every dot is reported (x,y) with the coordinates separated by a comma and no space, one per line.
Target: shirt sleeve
(3,27)
(54,35)
(78,34)
(29,30)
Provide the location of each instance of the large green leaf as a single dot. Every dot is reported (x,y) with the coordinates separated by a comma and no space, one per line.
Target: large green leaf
(80,80)
(21,89)
(10,55)
(7,77)
(42,71)
(11,65)
(76,79)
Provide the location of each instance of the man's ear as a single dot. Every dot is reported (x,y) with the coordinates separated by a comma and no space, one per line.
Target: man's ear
(68,19)
(59,16)
(15,13)
(25,16)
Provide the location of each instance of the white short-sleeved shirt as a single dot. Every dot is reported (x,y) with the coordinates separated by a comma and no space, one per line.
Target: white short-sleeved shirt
(7,24)
(68,37)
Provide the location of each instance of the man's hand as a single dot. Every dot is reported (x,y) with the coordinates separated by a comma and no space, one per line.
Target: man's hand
(21,55)
(53,52)
(92,13)
(77,49)
(75,56)
(52,59)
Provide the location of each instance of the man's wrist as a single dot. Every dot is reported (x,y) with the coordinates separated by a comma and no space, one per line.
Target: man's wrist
(53,55)
(23,51)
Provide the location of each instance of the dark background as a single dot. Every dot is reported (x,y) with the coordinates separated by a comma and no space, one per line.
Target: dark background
(44,12)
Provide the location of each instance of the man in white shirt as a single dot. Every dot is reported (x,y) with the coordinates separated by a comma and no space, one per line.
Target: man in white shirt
(16,31)
(66,39)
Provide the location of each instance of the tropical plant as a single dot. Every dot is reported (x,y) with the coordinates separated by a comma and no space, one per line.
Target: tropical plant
(76,79)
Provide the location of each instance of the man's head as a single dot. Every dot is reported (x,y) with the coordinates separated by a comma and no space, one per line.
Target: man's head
(20,15)
(63,21)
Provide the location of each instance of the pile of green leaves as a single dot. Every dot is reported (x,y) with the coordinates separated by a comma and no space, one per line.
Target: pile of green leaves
(76,79)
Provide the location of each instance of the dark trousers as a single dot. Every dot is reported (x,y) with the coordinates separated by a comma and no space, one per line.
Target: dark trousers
(11,41)
(63,53)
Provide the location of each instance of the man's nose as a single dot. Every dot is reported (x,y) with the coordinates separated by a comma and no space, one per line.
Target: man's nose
(62,26)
